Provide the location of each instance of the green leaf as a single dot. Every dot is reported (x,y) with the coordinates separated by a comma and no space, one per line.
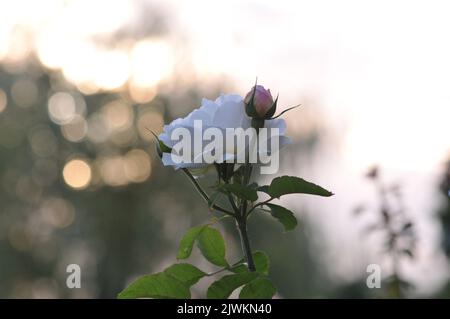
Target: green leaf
(262,264)
(290,185)
(253,185)
(187,242)
(222,288)
(186,273)
(241,191)
(158,285)
(284,216)
(211,244)
(260,288)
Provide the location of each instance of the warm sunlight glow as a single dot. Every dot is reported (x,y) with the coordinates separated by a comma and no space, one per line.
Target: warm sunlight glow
(373,81)
(137,166)
(77,174)
(112,171)
(117,116)
(152,61)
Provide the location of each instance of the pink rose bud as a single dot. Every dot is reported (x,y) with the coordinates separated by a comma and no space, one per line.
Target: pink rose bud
(262,101)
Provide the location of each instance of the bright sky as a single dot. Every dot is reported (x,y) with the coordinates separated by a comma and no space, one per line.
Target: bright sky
(379,73)
(380,70)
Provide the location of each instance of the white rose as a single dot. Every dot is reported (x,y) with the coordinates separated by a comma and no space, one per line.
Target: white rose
(227,111)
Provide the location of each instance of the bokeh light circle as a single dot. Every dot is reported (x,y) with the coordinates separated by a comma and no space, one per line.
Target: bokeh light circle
(77,174)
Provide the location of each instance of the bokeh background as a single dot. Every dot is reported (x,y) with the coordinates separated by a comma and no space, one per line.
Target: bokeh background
(82,81)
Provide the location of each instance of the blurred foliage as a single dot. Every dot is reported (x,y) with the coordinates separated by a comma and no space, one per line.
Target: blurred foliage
(444,213)
(397,229)
(444,218)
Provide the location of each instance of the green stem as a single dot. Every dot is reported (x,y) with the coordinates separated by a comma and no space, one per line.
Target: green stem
(203,193)
(241,221)
(233,204)
(216,272)
(240,215)
(242,227)
(229,268)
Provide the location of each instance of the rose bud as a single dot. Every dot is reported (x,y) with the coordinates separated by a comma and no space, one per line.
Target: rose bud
(259,103)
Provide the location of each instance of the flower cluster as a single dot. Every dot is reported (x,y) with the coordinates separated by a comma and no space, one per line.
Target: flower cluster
(228,113)
(233,135)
